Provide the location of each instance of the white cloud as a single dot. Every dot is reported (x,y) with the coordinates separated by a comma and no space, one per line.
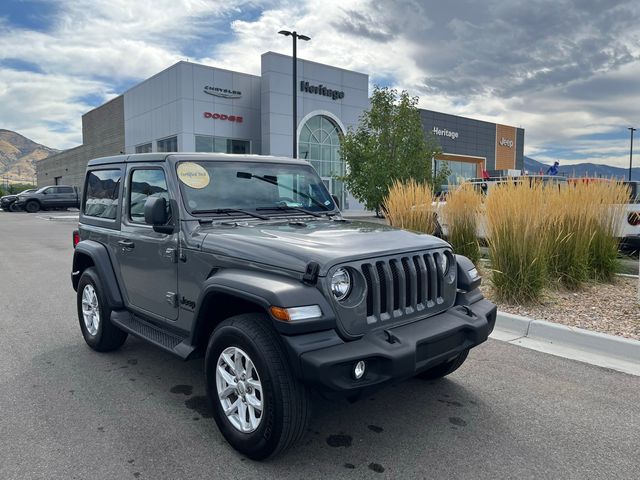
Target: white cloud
(561,77)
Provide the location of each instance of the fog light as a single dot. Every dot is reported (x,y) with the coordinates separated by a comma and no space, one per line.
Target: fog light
(358,370)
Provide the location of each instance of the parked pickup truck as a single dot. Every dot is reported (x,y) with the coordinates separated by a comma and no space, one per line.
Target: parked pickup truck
(48,198)
(247,261)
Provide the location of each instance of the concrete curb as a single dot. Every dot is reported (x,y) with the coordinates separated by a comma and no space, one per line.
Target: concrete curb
(619,353)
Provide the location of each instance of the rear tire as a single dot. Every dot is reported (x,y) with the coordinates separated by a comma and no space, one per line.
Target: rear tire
(95,315)
(32,206)
(284,401)
(444,369)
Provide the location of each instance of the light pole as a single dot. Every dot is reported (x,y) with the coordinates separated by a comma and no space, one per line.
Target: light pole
(295,35)
(631,129)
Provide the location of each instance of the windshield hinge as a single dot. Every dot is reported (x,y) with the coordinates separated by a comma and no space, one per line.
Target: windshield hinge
(310,276)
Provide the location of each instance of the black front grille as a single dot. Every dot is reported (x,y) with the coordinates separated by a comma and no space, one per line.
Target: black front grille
(402,285)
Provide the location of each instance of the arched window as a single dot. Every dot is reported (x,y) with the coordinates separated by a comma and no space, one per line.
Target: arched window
(319,144)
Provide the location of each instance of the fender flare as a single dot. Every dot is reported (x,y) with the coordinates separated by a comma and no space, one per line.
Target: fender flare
(99,255)
(266,289)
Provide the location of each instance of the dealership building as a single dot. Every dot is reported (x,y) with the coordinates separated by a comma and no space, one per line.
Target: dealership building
(190,107)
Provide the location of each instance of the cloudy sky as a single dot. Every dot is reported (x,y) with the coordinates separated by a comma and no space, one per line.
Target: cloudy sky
(566,71)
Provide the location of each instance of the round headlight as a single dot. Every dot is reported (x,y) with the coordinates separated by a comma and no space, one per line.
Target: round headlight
(341,284)
(443,263)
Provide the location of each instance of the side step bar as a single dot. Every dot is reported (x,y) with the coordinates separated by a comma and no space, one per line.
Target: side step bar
(169,341)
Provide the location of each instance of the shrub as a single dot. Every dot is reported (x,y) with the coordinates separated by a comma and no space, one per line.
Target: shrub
(409,205)
(518,240)
(461,213)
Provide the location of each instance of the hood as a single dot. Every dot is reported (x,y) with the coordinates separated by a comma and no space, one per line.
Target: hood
(294,245)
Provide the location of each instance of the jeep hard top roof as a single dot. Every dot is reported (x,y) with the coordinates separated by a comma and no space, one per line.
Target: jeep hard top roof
(174,156)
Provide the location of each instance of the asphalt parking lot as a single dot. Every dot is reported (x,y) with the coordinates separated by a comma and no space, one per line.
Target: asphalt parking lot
(69,412)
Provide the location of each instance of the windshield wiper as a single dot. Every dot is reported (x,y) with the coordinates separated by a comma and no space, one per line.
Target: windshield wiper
(274,181)
(231,210)
(286,207)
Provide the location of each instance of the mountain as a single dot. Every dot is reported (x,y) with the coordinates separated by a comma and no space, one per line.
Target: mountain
(584,170)
(18,156)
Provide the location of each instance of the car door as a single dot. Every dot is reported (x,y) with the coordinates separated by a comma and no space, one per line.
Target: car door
(66,197)
(147,259)
(50,197)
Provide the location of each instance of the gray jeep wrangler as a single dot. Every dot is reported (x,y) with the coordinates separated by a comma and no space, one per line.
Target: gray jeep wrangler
(247,261)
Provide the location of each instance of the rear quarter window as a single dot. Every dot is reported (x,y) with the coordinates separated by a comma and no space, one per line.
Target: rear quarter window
(102,192)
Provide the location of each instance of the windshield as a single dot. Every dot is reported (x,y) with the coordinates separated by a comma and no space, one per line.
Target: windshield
(209,186)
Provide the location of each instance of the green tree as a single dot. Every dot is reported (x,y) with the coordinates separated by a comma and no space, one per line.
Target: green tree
(389,144)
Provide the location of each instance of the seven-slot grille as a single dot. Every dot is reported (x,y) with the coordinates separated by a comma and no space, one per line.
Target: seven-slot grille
(402,285)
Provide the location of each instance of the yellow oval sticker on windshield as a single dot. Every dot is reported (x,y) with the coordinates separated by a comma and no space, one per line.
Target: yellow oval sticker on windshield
(193,175)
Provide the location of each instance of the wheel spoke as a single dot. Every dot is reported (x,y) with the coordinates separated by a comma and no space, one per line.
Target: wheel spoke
(253,401)
(229,361)
(238,362)
(232,408)
(242,414)
(255,384)
(226,392)
(226,375)
(252,417)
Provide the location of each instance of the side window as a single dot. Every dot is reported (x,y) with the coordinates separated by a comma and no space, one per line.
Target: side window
(145,183)
(101,194)
(51,190)
(65,190)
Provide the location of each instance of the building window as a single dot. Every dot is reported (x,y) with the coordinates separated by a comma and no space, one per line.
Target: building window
(102,193)
(145,148)
(145,183)
(207,143)
(168,144)
(459,171)
(319,144)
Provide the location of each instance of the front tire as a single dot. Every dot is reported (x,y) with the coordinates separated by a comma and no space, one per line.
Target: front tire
(248,375)
(444,369)
(14,207)
(95,315)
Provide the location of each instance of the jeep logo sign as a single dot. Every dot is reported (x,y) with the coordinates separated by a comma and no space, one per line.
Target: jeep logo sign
(505,142)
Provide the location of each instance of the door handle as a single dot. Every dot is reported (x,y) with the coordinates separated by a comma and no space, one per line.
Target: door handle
(127,244)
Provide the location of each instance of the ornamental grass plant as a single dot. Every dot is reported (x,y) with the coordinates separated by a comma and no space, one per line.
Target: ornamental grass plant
(461,212)
(569,223)
(409,205)
(608,200)
(518,240)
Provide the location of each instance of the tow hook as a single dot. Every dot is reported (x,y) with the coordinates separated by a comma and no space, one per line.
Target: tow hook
(467,311)
(391,338)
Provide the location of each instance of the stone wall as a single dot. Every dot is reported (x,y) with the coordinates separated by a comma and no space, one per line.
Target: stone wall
(102,135)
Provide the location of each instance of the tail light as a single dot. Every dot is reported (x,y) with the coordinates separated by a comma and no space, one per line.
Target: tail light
(634,219)
(76,238)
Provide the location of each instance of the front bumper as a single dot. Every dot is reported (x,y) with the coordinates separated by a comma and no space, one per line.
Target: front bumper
(326,361)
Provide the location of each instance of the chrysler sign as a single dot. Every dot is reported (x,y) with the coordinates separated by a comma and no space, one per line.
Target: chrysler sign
(222,92)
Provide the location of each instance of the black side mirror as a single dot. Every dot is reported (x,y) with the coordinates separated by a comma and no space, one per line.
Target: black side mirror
(155,213)
(337,202)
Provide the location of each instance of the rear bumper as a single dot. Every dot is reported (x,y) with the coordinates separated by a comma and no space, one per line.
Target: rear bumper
(326,361)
